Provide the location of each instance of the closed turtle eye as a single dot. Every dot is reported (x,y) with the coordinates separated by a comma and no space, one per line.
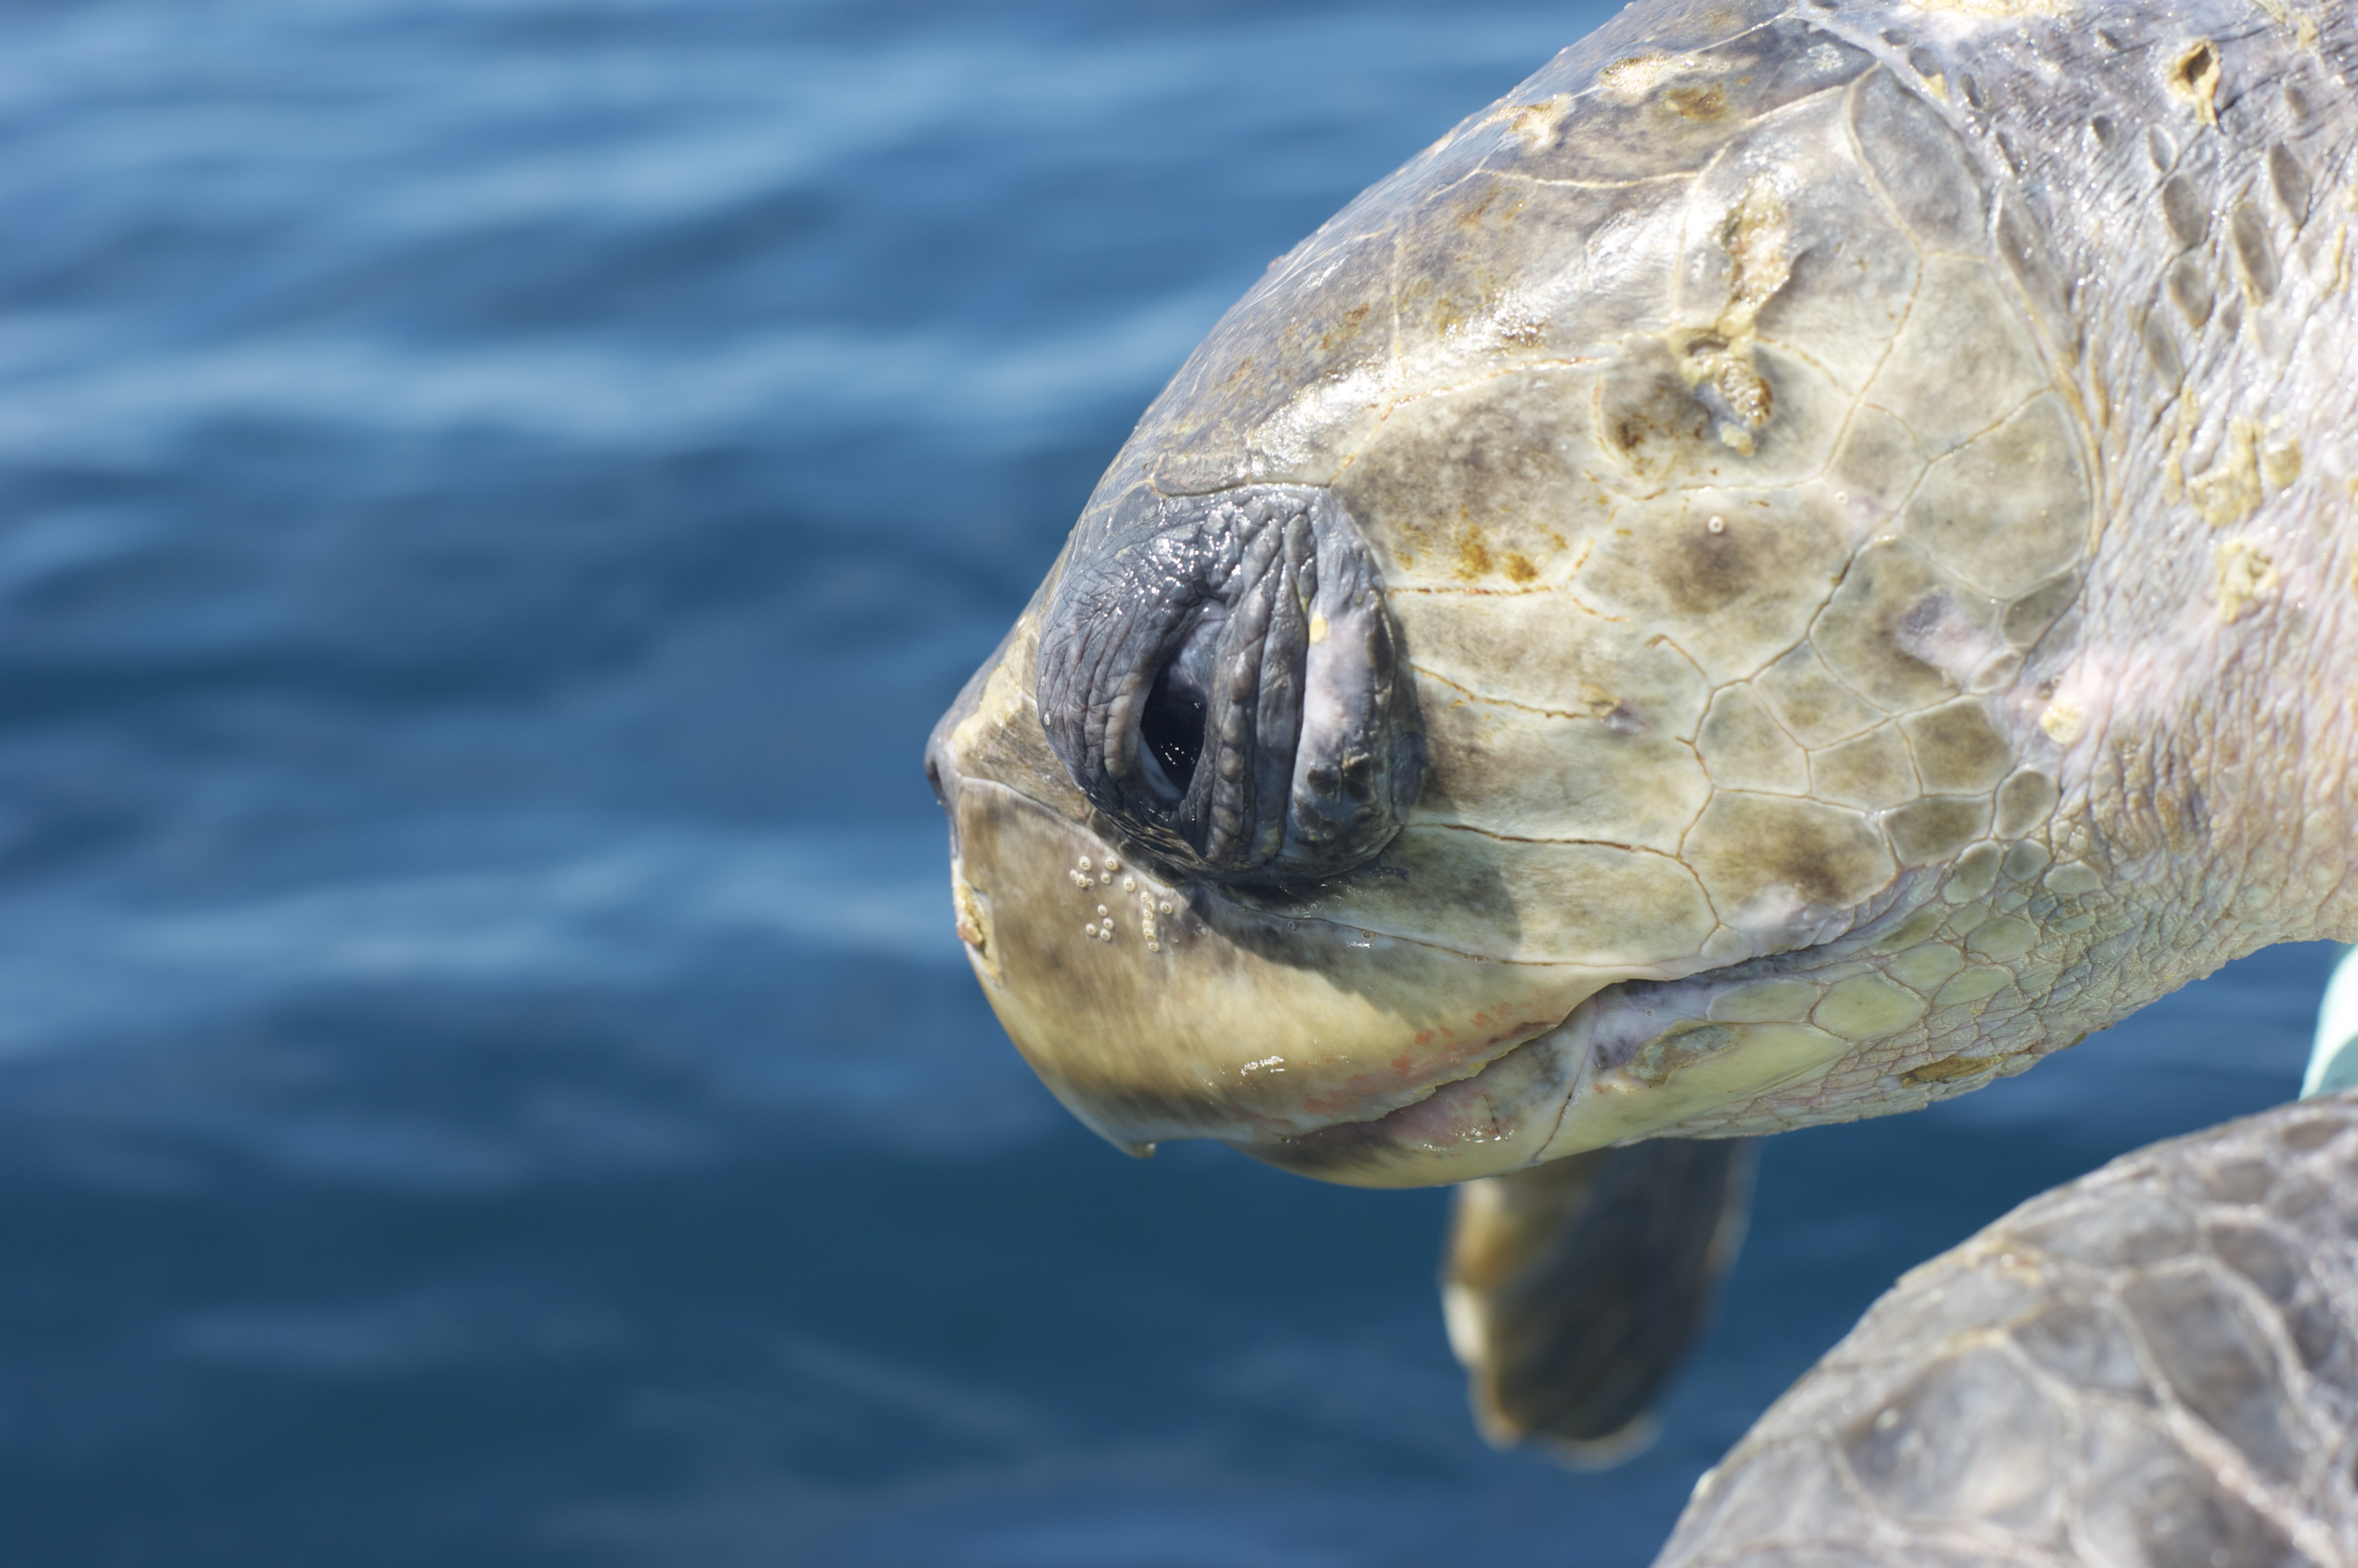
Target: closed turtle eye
(1218,676)
(1171,724)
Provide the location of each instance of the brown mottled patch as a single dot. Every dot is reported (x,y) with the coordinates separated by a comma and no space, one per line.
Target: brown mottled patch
(1934,829)
(1473,552)
(1707,102)
(1748,845)
(1697,571)
(1520,569)
(1342,332)
(1471,214)
(1957,749)
(1465,481)
(1648,414)
(1702,571)
(1946,1068)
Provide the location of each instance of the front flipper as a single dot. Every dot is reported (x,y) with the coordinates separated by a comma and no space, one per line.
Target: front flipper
(1572,1290)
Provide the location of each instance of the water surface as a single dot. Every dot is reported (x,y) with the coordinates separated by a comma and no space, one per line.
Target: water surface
(492,496)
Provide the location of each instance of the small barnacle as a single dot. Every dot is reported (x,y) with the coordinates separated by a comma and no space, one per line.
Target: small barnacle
(1112,864)
(1101,909)
(1129,884)
(1085,862)
(1164,906)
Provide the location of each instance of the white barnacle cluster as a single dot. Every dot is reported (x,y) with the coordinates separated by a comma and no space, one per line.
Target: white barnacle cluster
(1090,876)
(1085,875)
(1149,907)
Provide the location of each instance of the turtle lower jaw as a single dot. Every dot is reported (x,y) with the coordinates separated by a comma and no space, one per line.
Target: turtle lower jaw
(1632,1061)
(1156,1009)
(1501,1119)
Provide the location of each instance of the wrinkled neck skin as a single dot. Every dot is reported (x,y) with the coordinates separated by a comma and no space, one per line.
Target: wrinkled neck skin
(2201,711)
(2206,714)
(2197,706)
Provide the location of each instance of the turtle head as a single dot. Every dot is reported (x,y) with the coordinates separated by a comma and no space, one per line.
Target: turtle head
(1171,795)
(1616,634)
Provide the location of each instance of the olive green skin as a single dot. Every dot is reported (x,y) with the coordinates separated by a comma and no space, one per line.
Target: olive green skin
(1863,496)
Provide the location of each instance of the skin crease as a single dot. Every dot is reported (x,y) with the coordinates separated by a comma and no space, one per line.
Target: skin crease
(1777,761)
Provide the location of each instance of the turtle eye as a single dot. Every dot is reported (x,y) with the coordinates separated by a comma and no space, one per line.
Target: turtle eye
(1170,725)
(1171,734)
(1217,675)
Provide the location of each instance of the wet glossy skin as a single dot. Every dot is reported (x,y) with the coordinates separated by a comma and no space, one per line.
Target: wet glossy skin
(1864,523)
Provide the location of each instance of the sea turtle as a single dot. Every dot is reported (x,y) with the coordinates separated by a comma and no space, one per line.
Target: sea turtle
(1789,569)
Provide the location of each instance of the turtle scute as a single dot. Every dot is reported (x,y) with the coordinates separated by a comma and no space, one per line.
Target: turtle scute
(2115,1374)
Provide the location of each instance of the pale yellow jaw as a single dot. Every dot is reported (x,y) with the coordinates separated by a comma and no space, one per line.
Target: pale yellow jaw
(1157,1012)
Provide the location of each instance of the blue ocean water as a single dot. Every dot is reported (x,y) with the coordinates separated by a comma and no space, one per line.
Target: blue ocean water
(492,494)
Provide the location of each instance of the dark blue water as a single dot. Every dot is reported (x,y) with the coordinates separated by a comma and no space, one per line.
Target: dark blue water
(491,495)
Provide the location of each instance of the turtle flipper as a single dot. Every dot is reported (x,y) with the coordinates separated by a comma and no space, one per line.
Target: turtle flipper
(1572,1290)
(2153,1365)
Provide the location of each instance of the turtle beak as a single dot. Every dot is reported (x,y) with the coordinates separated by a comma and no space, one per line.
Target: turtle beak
(1156,1007)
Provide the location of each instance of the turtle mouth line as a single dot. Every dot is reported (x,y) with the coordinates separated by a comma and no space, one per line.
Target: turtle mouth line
(1121,851)
(1502,1116)
(1636,1058)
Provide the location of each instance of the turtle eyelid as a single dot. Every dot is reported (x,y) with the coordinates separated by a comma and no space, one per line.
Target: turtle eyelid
(1174,673)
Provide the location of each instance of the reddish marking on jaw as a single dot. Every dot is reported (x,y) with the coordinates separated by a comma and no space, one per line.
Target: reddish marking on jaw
(1403,1063)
